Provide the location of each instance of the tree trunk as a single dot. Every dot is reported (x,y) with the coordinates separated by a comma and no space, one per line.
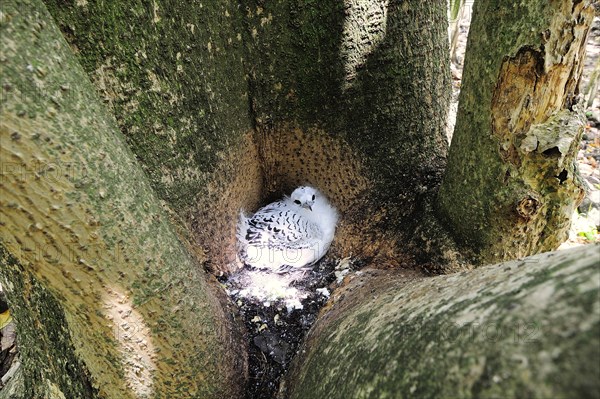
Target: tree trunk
(352,97)
(107,300)
(225,106)
(511,184)
(456,14)
(173,73)
(349,97)
(521,329)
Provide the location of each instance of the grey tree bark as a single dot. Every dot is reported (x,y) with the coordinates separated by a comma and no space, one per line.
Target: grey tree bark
(352,97)
(227,107)
(222,106)
(509,190)
(174,76)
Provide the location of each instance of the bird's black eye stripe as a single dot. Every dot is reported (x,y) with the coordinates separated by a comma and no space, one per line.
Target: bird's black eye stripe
(297,202)
(313,197)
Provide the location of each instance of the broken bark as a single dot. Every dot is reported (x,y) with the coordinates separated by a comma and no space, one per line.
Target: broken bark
(511,184)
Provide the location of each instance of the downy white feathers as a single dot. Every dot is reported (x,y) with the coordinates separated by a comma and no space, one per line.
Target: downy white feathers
(291,233)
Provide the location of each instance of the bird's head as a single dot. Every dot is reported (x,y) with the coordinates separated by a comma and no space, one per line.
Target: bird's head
(305,196)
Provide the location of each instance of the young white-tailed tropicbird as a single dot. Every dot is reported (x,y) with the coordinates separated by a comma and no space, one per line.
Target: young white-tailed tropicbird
(291,233)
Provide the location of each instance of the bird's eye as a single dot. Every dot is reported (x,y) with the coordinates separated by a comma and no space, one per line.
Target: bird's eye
(313,197)
(297,202)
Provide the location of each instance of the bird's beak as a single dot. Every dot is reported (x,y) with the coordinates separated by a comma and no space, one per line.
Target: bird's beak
(309,207)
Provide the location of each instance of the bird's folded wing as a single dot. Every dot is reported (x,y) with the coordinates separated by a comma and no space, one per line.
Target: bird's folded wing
(279,228)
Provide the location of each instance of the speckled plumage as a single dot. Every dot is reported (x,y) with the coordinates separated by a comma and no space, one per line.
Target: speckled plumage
(293,232)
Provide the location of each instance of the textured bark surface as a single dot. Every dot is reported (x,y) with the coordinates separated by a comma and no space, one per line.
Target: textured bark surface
(174,76)
(346,96)
(44,339)
(225,106)
(525,328)
(352,96)
(15,387)
(97,279)
(511,185)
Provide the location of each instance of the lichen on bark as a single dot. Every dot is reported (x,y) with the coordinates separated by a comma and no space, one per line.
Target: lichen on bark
(36,306)
(173,75)
(373,80)
(80,217)
(511,184)
(523,328)
(225,106)
(297,73)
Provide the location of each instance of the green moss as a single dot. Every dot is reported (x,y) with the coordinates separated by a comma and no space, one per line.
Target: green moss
(489,173)
(174,77)
(494,332)
(32,305)
(109,213)
(299,78)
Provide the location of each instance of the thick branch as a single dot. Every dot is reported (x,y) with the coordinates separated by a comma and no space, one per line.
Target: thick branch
(79,217)
(503,195)
(526,328)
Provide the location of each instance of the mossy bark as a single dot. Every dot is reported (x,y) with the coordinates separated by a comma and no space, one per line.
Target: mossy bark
(51,345)
(225,106)
(174,76)
(15,387)
(511,184)
(347,97)
(101,287)
(525,328)
(351,96)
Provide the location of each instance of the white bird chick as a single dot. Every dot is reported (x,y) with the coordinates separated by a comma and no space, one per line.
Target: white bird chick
(291,233)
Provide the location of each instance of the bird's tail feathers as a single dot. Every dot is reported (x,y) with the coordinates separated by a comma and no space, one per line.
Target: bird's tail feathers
(242,226)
